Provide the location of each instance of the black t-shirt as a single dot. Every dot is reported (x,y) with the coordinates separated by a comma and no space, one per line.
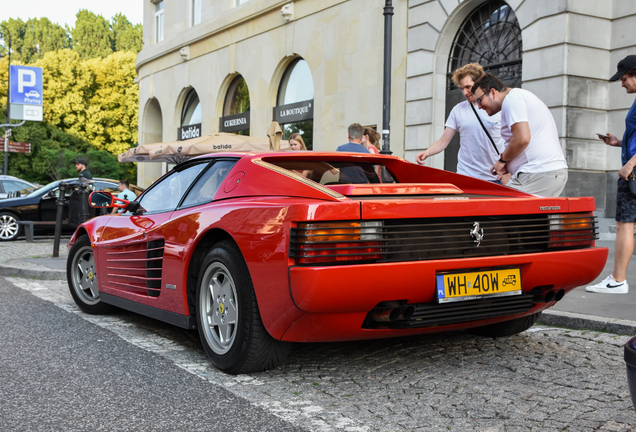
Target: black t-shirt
(86,174)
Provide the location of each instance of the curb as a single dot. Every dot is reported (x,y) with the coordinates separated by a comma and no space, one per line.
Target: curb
(32,274)
(587,322)
(551,318)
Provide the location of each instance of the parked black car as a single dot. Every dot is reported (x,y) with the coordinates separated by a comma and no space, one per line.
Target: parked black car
(41,206)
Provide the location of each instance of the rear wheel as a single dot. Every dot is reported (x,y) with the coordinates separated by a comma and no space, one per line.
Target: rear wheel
(228,318)
(82,278)
(9,226)
(506,328)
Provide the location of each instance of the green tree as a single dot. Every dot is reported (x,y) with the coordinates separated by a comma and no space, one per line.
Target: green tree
(92,36)
(30,40)
(126,37)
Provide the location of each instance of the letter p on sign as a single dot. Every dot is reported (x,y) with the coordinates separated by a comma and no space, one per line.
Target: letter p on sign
(26,78)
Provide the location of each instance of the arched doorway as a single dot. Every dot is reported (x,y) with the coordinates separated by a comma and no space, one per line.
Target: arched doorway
(490,36)
(294,108)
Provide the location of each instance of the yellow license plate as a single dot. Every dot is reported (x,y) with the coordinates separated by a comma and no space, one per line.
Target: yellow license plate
(474,285)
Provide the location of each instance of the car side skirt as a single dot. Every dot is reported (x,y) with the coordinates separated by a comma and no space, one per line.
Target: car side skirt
(183,321)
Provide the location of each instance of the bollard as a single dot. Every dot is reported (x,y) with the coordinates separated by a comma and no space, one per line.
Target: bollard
(58,219)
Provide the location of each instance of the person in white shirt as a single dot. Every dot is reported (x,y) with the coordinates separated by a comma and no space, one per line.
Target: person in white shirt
(533,153)
(477,152)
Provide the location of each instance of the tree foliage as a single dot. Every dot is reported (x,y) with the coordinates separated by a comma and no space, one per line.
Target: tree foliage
(92,35)
(90,99)
(32,39)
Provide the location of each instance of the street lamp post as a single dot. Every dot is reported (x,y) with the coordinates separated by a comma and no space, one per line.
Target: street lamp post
(386,91)
(7,133)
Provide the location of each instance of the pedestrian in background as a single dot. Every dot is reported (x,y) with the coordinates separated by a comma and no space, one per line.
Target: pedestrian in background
(616,283)
(124,193)
(80,166)
(370,140)
(354,133)
(479,135)
(533,153)
(296,142)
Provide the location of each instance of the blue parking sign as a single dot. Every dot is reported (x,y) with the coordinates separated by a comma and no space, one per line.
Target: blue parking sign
(26,85)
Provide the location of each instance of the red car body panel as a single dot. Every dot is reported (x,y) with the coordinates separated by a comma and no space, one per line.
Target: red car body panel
(257,207)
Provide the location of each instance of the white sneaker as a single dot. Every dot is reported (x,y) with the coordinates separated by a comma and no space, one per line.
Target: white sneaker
(609,285)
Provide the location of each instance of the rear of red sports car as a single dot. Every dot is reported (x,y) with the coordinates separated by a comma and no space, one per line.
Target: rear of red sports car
(308,246)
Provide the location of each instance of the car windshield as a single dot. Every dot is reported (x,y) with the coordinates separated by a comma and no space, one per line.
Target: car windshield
(339,172)
(43,190)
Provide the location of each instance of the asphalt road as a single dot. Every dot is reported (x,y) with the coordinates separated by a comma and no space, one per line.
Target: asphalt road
(61,369)
(60,372)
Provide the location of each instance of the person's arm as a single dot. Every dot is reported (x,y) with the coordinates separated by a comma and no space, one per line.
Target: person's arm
(627,169)
(612,140)
(518,143)
(438,146)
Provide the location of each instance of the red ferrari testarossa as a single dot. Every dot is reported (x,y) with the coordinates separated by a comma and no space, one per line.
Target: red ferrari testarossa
(258,250)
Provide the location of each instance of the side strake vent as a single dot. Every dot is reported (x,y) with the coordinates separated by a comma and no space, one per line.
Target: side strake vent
(137,267)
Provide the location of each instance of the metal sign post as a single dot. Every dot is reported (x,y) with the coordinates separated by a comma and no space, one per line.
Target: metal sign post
(386,93)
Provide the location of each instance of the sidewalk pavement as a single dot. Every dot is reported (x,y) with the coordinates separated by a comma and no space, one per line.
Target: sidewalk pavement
(579,309)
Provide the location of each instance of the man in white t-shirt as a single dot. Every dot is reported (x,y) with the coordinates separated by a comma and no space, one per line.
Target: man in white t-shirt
(533,153)
(476,151)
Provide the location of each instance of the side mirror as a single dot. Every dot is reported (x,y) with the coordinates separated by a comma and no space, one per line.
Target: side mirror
(100,199)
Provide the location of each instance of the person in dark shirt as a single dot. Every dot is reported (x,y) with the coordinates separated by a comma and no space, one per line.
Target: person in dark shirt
(80,166)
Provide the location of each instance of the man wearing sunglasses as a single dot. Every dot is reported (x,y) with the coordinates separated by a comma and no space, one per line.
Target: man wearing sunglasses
(533,153)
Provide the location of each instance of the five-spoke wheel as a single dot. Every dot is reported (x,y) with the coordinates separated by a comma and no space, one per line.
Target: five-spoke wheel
(228,317)
(82,277)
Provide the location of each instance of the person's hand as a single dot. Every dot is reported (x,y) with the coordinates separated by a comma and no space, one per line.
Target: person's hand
(422,157)
(499,168)
(505,178)
(625,171)
(611,140)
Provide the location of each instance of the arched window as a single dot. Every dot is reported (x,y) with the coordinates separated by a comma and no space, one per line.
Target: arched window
(295,102)
(490,36)
(236,108)
(190,117)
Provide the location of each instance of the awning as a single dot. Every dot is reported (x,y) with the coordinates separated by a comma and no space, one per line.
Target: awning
(179,151)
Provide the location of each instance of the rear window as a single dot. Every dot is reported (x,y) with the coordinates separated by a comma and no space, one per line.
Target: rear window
(339,172)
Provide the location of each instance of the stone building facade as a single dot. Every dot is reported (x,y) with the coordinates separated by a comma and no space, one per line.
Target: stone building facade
(566,49)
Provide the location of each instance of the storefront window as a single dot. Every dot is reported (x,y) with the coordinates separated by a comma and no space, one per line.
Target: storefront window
(190,117)
(236,117)
(295,102)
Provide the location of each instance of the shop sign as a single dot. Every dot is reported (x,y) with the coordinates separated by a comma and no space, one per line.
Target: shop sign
(188,132)
(296,112)
(235,122)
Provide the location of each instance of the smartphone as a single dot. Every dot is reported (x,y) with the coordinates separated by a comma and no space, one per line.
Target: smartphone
(602,135)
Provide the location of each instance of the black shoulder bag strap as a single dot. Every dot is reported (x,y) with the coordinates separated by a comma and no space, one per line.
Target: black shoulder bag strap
(484,127)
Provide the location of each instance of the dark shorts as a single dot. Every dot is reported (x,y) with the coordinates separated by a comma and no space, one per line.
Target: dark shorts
(625,203)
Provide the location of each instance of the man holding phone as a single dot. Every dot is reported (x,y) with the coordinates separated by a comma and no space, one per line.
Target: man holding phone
(616,283)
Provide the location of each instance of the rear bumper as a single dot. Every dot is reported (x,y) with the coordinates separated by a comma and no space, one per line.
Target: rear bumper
(337,299)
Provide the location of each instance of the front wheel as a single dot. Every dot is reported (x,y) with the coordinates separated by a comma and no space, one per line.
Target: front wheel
(82,278)
(506,328)
(9,226)
(228,318)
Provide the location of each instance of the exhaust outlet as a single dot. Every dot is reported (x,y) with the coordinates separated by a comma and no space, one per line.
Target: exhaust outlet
(408,312)
(549,296)
(559,295)
(386,314)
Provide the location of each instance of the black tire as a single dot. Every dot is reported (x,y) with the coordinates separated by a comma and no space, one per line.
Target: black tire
(82,278)
(506,328)
(9,226)
(228,318)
